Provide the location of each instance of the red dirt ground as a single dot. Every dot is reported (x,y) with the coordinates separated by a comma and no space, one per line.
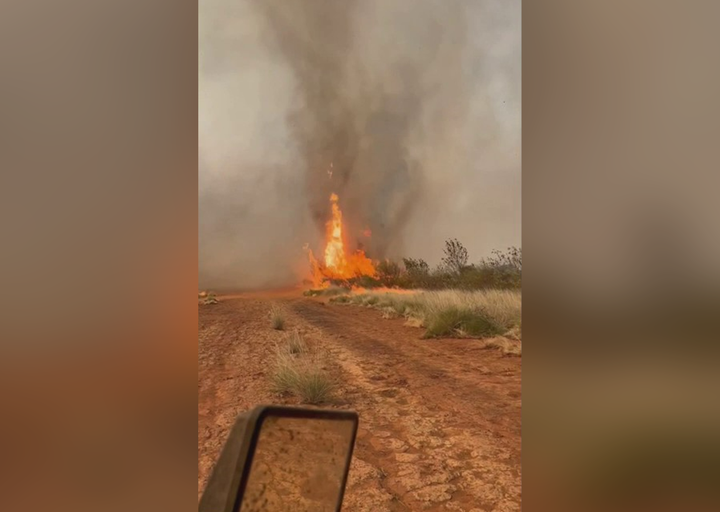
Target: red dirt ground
(439,419)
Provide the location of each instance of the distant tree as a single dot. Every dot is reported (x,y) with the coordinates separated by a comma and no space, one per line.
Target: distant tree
(456,256)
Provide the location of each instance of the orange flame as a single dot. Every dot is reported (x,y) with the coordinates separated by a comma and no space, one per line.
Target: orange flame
(335,259)
(338,263)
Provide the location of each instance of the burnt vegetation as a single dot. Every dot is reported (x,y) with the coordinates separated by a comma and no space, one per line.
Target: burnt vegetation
(502,270)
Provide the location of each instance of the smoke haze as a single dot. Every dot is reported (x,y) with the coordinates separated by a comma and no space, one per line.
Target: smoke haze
(408,110)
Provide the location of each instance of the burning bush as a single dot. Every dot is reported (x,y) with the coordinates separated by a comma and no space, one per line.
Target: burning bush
(339,265)
(343,269)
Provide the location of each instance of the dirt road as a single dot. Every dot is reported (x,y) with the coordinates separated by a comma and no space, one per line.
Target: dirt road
(439,419)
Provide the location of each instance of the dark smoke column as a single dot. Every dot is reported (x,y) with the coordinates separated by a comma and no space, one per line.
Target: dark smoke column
(357,108)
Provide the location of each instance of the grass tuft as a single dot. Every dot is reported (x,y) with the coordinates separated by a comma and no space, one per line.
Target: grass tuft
(314,386)
(296,343)
(277,318)
(298,371)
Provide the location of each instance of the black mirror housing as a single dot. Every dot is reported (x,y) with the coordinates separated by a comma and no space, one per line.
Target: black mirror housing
(226,488)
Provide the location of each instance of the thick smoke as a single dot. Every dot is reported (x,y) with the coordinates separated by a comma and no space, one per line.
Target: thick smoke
(409,110)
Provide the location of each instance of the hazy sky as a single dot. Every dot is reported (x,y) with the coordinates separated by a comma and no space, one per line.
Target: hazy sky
(408,109)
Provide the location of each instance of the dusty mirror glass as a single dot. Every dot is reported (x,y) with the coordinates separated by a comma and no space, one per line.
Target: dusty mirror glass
(299,465)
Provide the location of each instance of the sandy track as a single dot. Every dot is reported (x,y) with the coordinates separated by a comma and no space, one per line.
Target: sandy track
(439,420)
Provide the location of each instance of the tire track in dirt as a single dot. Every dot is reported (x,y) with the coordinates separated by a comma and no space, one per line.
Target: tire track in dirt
(234,352)
(440,419)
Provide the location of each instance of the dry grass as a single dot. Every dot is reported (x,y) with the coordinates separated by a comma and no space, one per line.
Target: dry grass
(506,346)
(331,291)
(295,343)
(299,371)
(388,312)
(482,313)
(464,323)
(501,307)
(207,298)
(277,318)
(414,322)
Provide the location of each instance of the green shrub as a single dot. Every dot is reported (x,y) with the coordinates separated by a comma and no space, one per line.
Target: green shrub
(476,278)
(416,274)
(504,268)
(416,267)
(389,273)
(364,282)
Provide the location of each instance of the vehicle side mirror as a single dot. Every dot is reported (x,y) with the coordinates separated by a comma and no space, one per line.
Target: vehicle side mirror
(278,459)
